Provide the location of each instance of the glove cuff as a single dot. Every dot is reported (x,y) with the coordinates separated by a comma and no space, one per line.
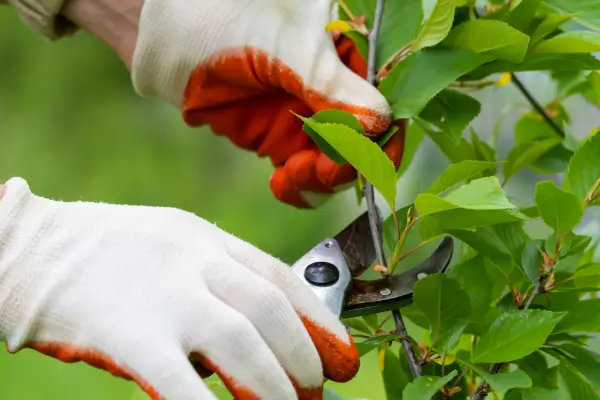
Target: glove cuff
(43,16)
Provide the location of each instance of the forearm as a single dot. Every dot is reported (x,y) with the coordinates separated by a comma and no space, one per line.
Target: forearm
(115,22)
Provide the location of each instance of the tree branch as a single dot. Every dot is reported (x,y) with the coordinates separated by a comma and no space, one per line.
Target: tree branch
(369,194)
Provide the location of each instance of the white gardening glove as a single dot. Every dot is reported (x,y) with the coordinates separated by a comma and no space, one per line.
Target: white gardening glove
(242,66)
(136,290)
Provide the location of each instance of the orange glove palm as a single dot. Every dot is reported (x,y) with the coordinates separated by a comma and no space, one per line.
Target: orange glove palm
(243,102)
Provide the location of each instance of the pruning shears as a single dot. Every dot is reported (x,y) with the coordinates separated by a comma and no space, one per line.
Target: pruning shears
(332,267)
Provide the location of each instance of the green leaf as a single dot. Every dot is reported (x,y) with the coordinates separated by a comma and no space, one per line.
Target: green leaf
(536,367)
(513,236)
(362,153)
(584,169)
(480,194)
(574,383)
(334,116)
(399,25)
(456,151)
(538,62)
(583,280)
(437,26)
(447,307)
(525,154)
(481,202)
(457,173)
(549,25)
(424,387)
(587,11)
(338,117)
(522,14)
(491,37)
(357,325)
(370,344)
(414,137)
(585,360)
(503,381)
(451,111)
(394,377)
(486,248)
(585,317)
(422,75)
(531,260)
(560,210)
(537,393)
(570,42)
(532,127)
(483,152)
(515,334)
(475,280)
(372,321)
(578,244)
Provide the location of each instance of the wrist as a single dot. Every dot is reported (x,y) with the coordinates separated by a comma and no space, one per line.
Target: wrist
(115,22)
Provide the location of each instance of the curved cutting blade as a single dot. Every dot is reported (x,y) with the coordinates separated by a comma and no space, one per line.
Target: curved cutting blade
(394,292)
(356,243)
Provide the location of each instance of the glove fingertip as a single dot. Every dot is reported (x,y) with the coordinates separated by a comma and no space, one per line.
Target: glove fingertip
(332,174)
(340,357)
(284,190)
(394,148)
(301,169)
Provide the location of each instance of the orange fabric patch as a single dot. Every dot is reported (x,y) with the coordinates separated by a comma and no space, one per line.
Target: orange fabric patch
(237,391)
(69,353)
(341,361)
(247,95)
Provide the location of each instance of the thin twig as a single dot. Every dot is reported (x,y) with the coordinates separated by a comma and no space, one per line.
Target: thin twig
(413,362)
(535,104)
(411,251)
(369,194)
(534,294)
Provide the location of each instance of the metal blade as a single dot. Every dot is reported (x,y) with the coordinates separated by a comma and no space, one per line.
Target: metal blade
(394,292)
(356,243)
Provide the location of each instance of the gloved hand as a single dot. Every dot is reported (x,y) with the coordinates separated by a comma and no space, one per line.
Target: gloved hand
(240,66)
(136,290)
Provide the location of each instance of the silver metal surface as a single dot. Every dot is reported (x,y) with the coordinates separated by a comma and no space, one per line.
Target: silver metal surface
(329,251)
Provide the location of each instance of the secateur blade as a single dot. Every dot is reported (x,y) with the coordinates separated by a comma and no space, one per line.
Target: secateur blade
(331,267)
(395,291)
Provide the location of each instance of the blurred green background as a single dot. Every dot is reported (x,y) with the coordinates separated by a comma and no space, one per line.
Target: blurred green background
(71,125)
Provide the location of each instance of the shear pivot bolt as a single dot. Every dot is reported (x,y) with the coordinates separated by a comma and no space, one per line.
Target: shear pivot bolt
(322,274)
(421,275)
(385,292)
